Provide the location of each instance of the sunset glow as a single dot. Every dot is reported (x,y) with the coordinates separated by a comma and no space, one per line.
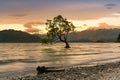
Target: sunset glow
(83,13)
(59,39)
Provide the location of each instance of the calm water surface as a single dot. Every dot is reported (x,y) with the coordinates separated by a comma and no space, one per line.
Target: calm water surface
(22,56)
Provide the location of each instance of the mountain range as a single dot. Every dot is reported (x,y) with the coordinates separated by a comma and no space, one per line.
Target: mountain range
(99,35)
(89,35)
(17,36)
(93,35)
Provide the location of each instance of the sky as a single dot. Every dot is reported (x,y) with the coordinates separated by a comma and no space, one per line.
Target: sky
(30,15)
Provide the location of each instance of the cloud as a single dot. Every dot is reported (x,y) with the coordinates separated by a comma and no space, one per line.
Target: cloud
(116,14)
(32,30)
(85,25)
(103,26)
(18,15)
(31,24)
(110,5)
(30,27)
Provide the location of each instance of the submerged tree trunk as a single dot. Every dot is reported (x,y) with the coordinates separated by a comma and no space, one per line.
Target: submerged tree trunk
(67,44)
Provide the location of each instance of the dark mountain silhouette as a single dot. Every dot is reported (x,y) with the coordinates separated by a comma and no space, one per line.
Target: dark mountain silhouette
(100,35)
(92,35)
(17,36)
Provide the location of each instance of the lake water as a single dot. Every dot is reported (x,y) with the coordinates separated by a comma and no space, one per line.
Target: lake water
(27,56)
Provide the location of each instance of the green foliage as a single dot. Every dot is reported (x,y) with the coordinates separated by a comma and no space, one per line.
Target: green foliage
(46,41)
(58,28)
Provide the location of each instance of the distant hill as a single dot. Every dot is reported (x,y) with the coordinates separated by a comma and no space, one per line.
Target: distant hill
(100,35)
(17,36)
(92,35)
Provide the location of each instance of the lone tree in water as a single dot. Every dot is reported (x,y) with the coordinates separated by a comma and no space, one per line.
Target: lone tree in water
(59,28)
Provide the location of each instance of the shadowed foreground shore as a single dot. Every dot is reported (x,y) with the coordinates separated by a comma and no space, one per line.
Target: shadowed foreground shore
(108,71)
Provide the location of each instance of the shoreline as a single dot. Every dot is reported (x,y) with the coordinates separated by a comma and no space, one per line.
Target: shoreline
(105,71)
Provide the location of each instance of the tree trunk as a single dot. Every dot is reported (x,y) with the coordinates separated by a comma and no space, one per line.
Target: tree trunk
(67,44)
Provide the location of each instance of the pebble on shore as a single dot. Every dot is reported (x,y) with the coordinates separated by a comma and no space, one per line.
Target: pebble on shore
(97,72)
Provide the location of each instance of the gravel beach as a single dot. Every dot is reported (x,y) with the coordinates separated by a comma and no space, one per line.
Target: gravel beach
(108,71)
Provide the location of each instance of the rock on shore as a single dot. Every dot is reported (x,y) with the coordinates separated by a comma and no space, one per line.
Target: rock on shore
(108,71)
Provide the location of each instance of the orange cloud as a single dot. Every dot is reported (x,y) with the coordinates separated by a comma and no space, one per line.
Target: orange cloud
(32,30)
(18,15)
(31,24)
(103,26)
(30,27)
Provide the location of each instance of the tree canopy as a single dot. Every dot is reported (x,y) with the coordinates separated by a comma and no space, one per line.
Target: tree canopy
(59,28)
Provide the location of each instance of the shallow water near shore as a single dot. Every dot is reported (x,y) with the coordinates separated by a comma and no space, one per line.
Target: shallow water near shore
(16,58)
